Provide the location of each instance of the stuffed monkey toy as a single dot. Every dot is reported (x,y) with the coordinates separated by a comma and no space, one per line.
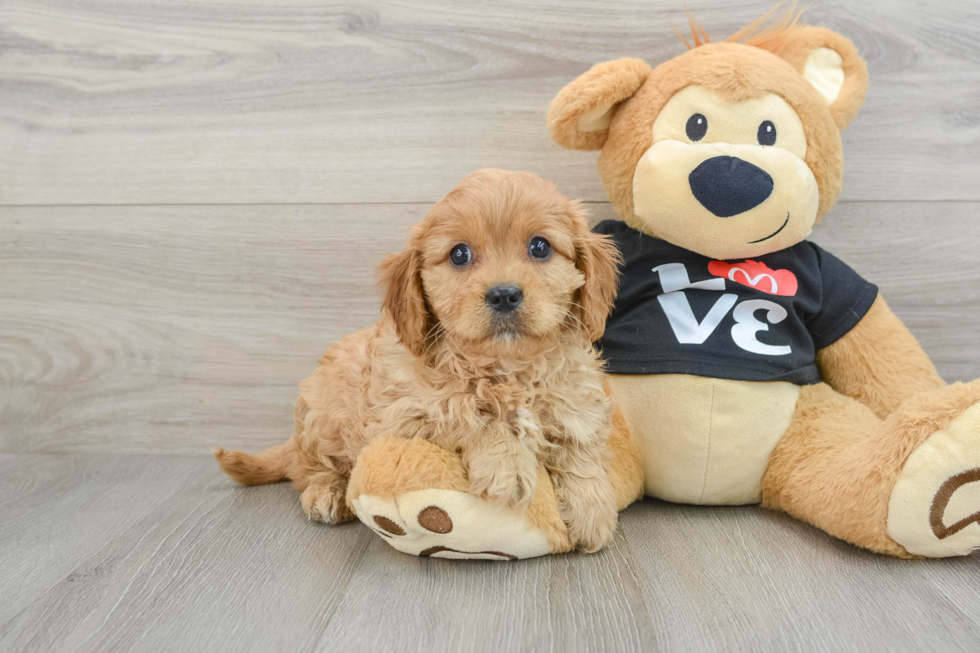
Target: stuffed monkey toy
(749,365)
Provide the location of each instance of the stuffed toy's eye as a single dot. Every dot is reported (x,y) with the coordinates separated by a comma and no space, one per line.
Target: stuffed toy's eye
(767,133)
(460,255)
(539,248)
(697,127)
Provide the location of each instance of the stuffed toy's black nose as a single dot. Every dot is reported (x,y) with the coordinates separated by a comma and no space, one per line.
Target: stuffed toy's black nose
(727,185)
(504,298)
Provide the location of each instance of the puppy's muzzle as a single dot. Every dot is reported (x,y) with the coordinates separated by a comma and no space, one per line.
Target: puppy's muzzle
(504,298)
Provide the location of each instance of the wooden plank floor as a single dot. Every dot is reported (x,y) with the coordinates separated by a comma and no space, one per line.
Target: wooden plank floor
(193,195)
(161,553)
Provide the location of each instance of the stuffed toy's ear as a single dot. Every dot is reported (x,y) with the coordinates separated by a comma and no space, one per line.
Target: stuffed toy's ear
(832,65)
(578,117)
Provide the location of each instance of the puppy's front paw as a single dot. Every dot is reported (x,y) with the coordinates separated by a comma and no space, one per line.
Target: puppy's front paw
(509,478)
(591,532)
(588,508)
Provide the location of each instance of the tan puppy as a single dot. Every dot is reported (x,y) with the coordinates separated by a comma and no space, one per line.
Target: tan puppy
(484,349)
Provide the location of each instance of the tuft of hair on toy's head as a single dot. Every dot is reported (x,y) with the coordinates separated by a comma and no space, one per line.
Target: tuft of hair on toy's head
(767,32)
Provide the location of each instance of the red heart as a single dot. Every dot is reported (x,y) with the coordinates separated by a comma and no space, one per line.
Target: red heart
(757,275)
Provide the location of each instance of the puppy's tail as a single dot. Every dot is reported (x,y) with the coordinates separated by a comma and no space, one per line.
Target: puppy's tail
(270,466)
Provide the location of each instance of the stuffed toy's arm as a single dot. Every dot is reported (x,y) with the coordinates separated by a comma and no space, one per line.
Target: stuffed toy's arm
(879,362)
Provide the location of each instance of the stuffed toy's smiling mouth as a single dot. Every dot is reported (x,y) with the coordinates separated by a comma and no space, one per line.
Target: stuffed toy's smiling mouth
(773,234)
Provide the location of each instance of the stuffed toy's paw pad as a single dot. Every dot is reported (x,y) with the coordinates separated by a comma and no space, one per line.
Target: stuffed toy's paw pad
(450,524)
(934,508)
(416,496)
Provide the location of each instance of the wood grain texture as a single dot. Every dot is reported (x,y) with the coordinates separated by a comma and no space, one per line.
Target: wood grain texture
(210,101)
(745,579)
(212,569)
(220,567)
(157,323)
(54,511)
(562,603)
(174,329)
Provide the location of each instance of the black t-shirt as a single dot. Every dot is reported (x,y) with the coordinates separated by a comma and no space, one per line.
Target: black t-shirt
(763,319)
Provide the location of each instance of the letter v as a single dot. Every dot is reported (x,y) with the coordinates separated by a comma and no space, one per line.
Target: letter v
(674,279)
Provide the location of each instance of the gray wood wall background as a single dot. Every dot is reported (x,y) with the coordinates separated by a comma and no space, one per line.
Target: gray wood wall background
(193,194)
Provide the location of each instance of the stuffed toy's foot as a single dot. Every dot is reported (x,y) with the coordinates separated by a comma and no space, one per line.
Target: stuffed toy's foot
(934,509)
(905,486)
(415,496)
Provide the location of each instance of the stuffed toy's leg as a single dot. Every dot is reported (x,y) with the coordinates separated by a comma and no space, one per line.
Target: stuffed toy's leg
(415,495)
(908,485)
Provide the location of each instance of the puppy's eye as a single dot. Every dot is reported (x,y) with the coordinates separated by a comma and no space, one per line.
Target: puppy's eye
(767,133)
(697,127)
(460,255)
(539,248)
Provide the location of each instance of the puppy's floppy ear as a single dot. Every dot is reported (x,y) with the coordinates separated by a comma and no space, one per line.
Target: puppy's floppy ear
(579,116)
(597,257)
(404,299)
(832,65)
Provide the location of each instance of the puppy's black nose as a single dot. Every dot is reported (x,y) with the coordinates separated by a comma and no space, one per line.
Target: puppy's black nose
(727,185)
(505,298)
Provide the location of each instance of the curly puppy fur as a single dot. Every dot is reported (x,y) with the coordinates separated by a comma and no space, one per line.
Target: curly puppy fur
(504,391)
